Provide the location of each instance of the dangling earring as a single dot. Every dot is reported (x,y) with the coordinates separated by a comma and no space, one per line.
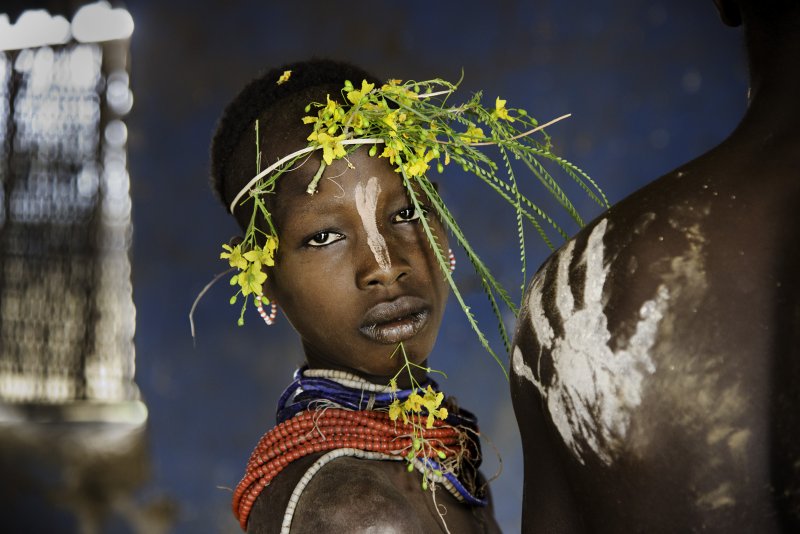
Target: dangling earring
(273,311)
(452,259)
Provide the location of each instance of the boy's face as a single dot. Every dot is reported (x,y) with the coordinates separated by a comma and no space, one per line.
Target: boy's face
(354,271)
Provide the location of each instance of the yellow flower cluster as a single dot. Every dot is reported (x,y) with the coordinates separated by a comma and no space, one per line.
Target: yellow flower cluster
(389,114)
(250,275)
(419,127)
(412,407)
(421,404)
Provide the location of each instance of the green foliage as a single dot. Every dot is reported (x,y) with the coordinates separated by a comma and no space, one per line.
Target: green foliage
(418,129)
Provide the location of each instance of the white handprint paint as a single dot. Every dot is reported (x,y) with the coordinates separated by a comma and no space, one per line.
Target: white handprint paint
(593,389)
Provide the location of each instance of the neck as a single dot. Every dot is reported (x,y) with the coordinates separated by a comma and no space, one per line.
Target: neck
(774,81)
(403,379)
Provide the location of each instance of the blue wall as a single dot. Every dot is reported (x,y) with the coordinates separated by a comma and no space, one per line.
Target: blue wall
(650,84)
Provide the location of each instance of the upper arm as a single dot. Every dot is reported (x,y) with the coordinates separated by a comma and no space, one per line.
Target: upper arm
(548,503)
(555,301)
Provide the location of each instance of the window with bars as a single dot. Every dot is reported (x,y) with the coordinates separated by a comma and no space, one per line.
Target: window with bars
(67,316)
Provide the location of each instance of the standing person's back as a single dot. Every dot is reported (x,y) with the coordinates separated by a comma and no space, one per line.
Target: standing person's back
(657,359)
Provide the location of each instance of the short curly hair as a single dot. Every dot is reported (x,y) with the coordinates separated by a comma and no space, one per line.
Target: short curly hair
(279,108)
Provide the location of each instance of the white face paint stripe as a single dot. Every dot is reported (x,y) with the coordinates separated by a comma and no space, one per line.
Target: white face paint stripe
(367,205)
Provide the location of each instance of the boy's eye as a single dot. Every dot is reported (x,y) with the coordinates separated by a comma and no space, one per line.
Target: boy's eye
(406,215)
(323,238)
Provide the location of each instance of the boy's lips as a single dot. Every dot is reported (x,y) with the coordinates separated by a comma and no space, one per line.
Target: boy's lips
(395,321)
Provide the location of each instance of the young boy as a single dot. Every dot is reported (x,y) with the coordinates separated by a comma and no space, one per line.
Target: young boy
(355,275)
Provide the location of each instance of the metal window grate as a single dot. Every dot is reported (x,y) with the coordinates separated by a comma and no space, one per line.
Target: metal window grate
(66,311)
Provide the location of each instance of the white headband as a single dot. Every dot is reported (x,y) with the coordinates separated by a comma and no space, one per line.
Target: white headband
(290,157)
(308,149)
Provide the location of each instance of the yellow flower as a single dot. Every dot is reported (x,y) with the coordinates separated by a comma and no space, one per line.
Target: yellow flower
(355,96)
(432,399)
(418,165)
(441,413)
(416,168)
(391,121)
(429,420)
(473,135)
(251,279)
(394,149)
(500,110)
(395,410)
(284,77)
(413,403)
(358,121)
(264,256)
(330,106)
(234,256)
(332,147)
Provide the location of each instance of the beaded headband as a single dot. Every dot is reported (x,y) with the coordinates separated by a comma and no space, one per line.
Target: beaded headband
(419,128)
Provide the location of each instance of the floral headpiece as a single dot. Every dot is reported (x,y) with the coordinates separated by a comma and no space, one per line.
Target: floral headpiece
(414,125)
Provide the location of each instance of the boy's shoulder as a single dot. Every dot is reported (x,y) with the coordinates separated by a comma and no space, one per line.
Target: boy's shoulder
(345,495)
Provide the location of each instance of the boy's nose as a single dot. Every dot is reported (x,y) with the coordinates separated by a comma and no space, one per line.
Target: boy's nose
(380,273)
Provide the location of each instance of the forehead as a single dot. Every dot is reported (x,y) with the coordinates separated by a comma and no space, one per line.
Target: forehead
(336,189)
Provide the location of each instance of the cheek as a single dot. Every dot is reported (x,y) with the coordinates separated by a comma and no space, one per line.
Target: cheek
(304,288)
(425,250)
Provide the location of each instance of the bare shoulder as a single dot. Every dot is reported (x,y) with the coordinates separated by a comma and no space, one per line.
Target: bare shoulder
(352,495)
(345,495)
(364,496)
(648,341)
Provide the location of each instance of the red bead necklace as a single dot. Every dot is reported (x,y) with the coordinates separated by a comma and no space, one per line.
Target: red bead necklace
(323,430)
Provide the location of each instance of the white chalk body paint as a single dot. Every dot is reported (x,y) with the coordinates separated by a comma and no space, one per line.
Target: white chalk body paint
(521,368)
(593,390)
(367,205)
(705,403)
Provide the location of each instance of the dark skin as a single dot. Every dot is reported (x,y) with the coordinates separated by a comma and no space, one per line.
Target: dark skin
(327,278)
(683,416)
(332,287)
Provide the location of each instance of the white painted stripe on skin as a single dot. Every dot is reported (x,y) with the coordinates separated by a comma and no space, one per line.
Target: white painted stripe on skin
(541,326)
(367,205)
(564,300)
(522,370)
